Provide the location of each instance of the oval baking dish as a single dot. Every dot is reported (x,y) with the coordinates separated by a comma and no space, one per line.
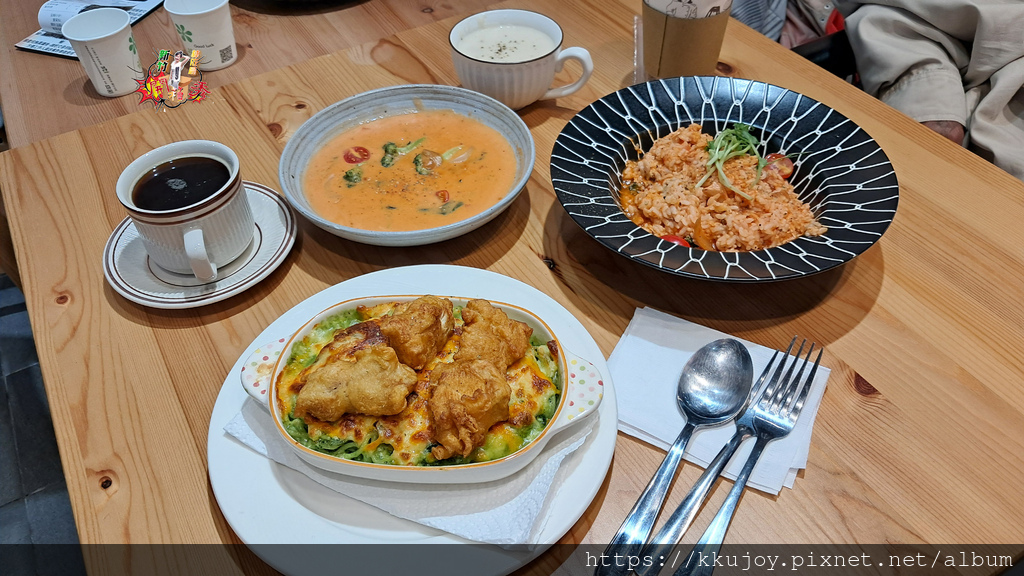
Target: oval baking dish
(577,399)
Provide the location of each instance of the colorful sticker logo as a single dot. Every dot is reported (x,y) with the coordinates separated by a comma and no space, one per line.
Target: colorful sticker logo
(173,80)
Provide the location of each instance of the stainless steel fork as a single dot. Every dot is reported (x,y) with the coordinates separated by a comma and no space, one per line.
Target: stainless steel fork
(771,418)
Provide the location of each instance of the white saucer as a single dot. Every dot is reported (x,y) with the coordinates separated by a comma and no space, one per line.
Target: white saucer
(130,273)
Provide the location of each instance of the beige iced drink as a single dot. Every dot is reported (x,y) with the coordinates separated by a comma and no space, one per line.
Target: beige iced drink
(683,37)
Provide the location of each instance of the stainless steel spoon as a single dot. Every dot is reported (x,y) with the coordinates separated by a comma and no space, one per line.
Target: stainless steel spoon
(713,387)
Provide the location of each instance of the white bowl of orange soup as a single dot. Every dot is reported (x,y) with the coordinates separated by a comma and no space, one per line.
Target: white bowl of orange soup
(407,165)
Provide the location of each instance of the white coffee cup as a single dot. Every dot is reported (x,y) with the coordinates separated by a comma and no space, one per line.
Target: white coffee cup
(103,41)
(197,238)
(526,76)
(205,25)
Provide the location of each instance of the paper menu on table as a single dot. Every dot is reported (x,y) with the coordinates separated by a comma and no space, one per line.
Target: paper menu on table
(54,13)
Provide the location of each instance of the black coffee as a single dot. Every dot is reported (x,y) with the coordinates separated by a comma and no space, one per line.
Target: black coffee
(180,182)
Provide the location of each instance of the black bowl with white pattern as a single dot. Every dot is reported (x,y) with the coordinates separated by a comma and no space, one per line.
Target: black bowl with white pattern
(840,171)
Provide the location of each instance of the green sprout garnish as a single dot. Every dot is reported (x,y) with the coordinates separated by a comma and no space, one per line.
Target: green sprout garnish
(728,144)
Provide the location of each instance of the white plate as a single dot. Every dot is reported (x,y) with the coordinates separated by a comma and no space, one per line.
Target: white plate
(130,273)
(269,504)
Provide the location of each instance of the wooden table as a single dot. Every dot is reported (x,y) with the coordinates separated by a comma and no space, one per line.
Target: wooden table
(45,95)
(918,437)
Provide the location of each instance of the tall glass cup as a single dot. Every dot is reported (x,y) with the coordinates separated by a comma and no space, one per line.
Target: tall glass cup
(683,37)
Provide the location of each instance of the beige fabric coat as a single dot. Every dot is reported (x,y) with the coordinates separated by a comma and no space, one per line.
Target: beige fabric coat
(959,60)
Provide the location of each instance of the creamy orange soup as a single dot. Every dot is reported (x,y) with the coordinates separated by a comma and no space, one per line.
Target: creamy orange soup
(410,172)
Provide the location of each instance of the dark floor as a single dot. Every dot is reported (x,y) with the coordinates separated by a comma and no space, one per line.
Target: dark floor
(34,504)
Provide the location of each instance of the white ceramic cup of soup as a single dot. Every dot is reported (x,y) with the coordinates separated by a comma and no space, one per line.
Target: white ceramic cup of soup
(197,238)
(513,56)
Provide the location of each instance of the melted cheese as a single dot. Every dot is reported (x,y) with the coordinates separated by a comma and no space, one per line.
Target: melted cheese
(406,438)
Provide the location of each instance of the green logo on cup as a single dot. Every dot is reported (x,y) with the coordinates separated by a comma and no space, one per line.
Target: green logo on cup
(186,35)
(131,45)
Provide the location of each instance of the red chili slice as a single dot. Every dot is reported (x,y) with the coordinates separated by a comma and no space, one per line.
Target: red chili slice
(357,155)
(676,240)
(442,194)
(781,163)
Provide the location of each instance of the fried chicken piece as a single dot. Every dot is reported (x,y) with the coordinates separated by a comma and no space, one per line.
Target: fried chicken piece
(419,329)
(490,335)
(346,342)
(357,373)
(468,398)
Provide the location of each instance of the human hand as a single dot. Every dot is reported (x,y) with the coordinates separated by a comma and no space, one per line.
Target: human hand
(947,128)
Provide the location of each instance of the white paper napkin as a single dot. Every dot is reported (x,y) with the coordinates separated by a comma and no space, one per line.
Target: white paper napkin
(645,367)
(505,512)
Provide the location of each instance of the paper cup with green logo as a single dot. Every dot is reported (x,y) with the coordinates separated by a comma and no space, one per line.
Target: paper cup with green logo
(205,25)
(103,41)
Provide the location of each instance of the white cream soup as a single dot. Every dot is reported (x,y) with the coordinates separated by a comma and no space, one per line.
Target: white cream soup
(507,43)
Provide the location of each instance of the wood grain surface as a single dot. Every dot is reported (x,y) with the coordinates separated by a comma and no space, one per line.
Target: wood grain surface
(44,95)
(918,436)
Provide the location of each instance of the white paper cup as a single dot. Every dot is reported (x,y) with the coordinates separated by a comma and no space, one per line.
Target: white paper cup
(199,238)
(519,83)
(102,39)
(205,25)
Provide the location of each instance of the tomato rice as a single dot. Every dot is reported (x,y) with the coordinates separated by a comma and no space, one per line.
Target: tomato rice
(659,193)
